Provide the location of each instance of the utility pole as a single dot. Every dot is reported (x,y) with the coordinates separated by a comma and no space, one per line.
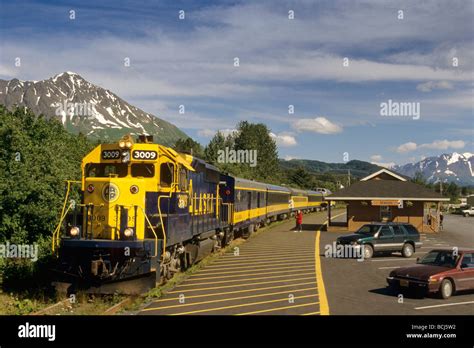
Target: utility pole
(348,177)
(441,187)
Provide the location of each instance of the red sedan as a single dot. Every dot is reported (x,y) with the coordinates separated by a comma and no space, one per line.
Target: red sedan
(439,271)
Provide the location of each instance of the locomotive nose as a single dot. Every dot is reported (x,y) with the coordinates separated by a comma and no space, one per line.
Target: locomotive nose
(113,207)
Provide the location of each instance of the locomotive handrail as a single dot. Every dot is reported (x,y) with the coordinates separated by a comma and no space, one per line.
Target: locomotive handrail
(153,230)
(172,189)
(63,213)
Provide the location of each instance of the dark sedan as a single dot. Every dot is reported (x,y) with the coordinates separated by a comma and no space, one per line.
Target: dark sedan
(439,271)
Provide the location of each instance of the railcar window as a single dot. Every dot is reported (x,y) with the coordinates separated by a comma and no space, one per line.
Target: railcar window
(314,198)
(102,170)
(166,174)
(145,170)
(277,198)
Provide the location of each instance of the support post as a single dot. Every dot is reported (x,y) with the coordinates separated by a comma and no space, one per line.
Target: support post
(329,214)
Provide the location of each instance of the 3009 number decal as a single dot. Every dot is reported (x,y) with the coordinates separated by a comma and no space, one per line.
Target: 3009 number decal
(144,155)
(111,154)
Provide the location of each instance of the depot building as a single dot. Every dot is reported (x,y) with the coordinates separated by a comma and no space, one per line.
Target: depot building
(386,196)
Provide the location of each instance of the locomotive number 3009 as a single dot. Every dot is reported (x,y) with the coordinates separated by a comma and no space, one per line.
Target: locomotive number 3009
(144,155)
(111,154)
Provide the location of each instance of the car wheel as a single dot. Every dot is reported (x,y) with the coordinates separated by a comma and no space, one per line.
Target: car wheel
(407,250)
(446,288)
(368,251)
(466,215)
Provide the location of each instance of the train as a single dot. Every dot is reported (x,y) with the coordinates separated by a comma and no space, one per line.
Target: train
(147,212)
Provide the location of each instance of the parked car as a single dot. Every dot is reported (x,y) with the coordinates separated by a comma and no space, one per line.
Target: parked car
(384,237)
(468,212)
(439,271)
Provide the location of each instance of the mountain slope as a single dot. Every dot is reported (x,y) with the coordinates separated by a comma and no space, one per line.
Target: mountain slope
(455,167)
(84,107)
(357,168)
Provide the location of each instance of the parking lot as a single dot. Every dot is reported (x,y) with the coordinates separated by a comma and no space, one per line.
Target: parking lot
(359,287)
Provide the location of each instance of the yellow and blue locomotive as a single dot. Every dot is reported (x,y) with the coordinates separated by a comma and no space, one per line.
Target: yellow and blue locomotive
(147,212)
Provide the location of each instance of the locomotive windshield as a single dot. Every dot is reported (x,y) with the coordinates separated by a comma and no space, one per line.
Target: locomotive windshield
(101,170)
(120,170)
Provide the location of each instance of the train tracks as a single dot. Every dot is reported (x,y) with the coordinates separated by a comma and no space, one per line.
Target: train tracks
(273,273)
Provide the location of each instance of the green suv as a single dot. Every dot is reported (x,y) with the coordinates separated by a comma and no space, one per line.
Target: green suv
(384,237)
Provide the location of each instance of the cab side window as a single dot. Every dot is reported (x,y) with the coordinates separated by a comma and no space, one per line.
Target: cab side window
(183,179)
(385,232)
(166,174)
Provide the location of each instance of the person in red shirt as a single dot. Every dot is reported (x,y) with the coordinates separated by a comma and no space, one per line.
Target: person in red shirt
(299,221)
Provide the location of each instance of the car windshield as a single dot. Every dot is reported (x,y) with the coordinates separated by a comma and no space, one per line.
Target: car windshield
(368,230)
(440,258)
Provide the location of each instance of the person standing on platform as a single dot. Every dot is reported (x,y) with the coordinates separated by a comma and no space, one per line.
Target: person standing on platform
(299,221)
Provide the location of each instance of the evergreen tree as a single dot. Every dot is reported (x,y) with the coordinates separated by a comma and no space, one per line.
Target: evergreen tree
(189,146)
(217,143)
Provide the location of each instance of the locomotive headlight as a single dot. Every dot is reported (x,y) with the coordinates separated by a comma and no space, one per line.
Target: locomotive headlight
(128,144)
(128,232)
(121,144)
(74,231)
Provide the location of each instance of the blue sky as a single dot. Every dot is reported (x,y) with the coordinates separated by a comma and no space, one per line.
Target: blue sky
(283,62)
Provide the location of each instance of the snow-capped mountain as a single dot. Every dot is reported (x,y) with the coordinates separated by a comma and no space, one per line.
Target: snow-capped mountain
(84,107)
(455,167)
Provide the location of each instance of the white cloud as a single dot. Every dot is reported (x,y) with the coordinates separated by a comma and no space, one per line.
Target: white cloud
(206,133)
(376,158)
(407,147)
(435,145)
(209,133)
(284,140)
(431,85)
(444,144)
(318,125)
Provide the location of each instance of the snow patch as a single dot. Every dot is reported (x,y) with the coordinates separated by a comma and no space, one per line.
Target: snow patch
(455,157)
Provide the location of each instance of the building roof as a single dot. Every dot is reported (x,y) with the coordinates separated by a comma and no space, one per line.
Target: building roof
(386,171)
(386,189)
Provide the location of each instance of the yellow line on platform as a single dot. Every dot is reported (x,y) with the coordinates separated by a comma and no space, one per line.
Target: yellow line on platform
(312,313)
(237,285)
(260,267)
(256,255)
(247,274)
(283,269)
(237,264)
(246,279)
(257,260)
(324,305)
(243,305)
(260,250)
(233,292)
(228,299)
(280,308)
